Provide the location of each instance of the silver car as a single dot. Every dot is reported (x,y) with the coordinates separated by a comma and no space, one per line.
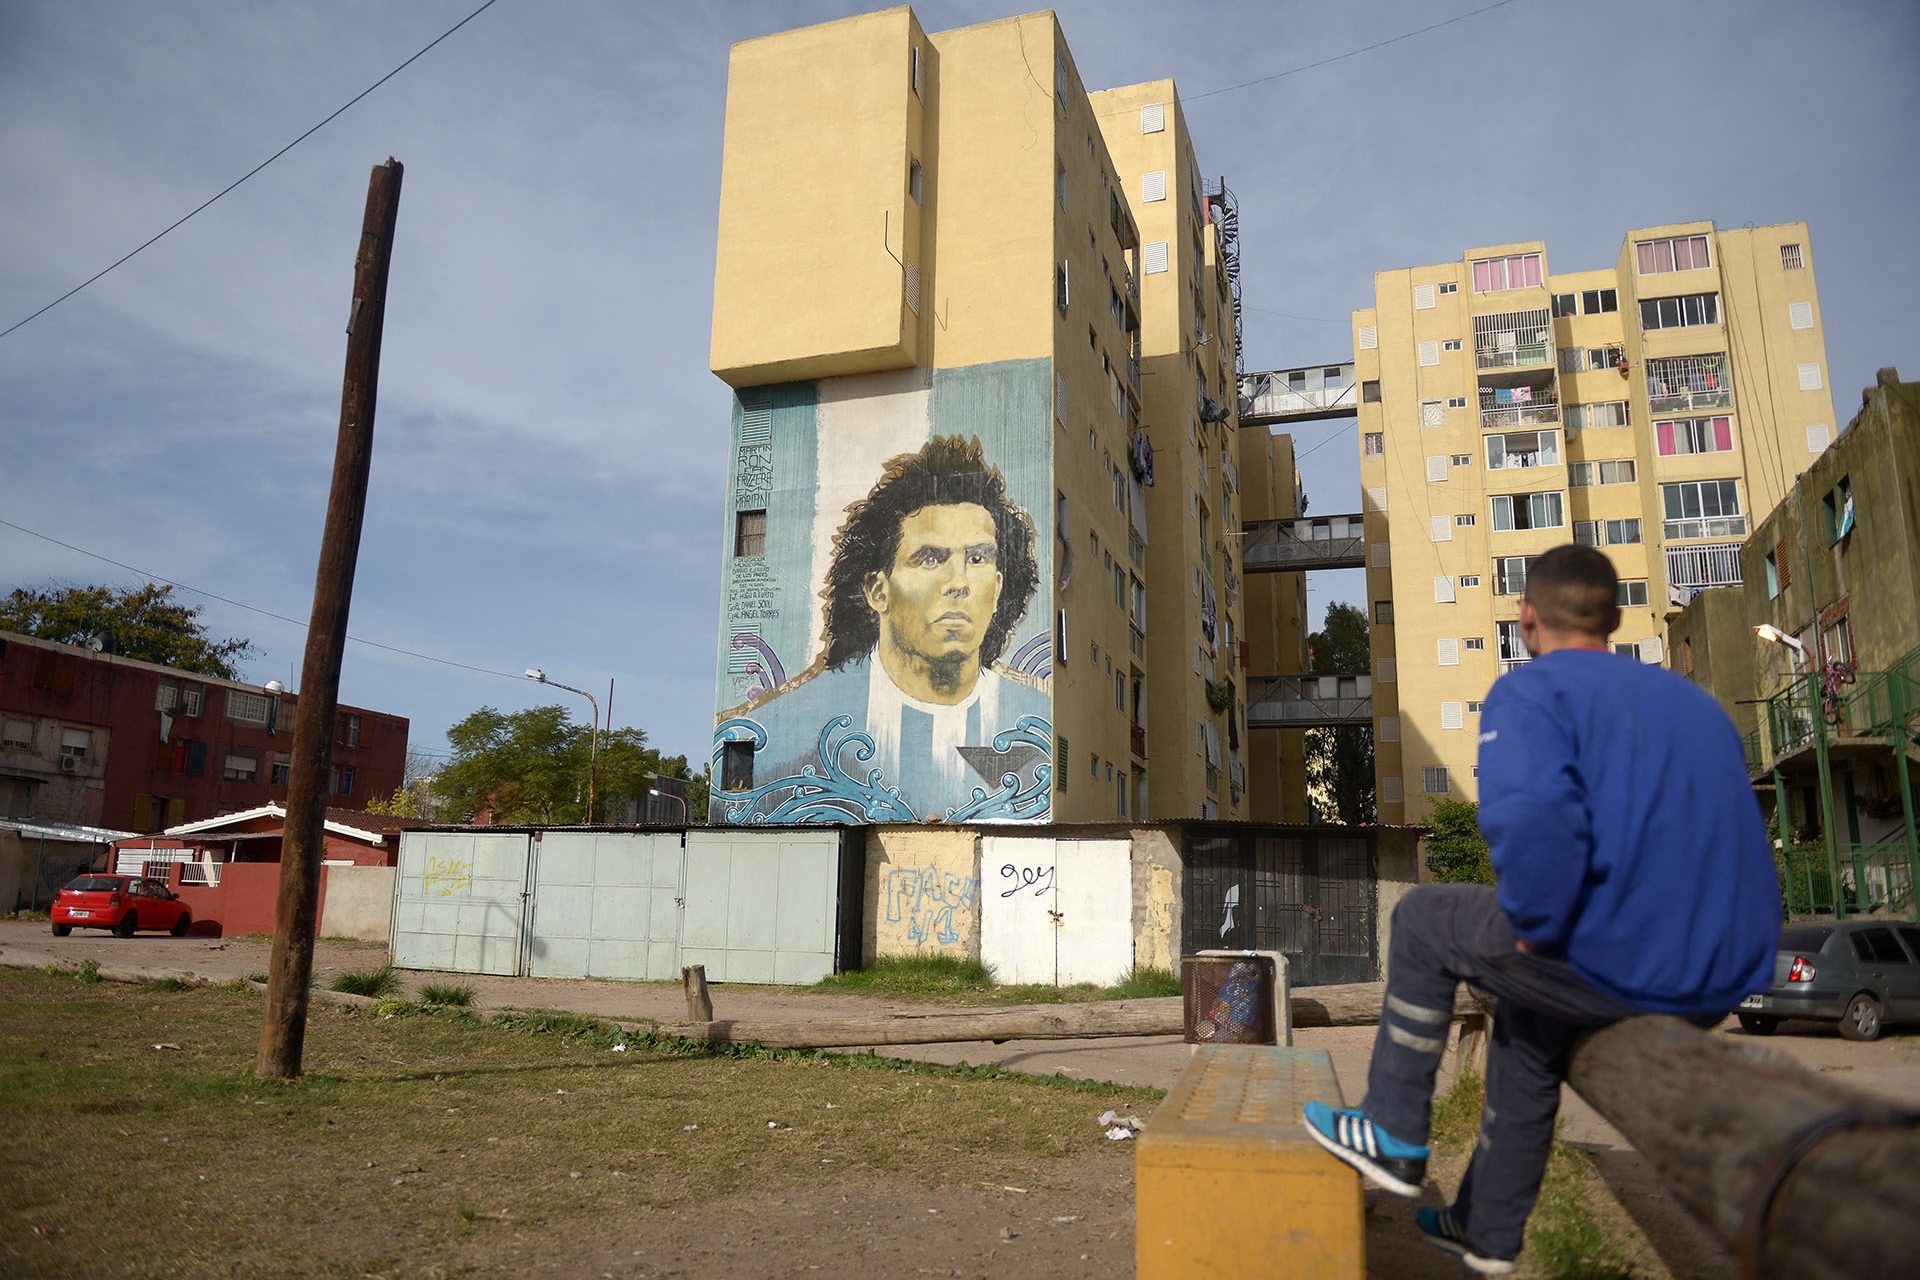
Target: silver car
(1861,973)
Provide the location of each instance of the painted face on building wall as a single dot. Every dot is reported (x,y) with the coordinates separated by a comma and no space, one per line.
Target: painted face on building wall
(935,600)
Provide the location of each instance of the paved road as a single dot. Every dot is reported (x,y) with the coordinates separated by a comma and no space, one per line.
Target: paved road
(1890,1067)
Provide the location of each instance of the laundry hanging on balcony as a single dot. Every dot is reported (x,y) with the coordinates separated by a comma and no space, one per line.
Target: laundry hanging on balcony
(1140,455)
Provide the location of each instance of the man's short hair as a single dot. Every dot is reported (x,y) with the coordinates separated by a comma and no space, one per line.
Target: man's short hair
(1574,588)
(948,470)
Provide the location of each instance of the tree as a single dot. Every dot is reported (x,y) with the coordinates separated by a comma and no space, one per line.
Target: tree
(1456,851)
(531,767)
(145,623)
(1340,757)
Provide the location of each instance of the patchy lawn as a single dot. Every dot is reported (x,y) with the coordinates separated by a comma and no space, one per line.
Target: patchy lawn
(947,980)
(441,1143)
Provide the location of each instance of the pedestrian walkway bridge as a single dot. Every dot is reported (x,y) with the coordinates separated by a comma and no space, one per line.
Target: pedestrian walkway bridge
(1280,396)
(1317,542)
(1309,702)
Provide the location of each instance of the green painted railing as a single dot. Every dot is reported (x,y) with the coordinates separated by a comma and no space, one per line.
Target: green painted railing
(1869,707)
(1873,877)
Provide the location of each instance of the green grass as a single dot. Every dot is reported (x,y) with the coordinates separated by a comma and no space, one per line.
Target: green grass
(167,984)
(528,1121)
(384,981)
(451,994)
(1570,1236)
(950,980)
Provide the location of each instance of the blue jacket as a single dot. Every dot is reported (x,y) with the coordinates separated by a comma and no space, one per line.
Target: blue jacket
(1625,835)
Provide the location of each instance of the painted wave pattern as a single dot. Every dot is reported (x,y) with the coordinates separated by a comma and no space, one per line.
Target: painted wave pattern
(830,793)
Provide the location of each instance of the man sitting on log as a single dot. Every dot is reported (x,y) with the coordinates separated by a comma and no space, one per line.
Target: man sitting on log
(1634,876)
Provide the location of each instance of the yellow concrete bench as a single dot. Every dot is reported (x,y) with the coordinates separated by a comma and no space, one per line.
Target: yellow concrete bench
(1227,1182)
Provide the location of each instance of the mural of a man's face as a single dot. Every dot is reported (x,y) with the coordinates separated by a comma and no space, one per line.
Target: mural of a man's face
(935,600)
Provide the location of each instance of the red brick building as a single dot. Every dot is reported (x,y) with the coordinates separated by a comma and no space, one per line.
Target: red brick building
(107,741)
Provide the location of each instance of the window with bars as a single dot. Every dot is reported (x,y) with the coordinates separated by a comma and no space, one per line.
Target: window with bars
(1511,338)
(1680,383)
(1374,443)
(1383,612)
(1790,259)
(246,708)
(1433,780)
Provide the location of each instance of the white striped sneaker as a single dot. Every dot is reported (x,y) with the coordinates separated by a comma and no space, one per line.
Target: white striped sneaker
(1381,1158)
(1441,1228)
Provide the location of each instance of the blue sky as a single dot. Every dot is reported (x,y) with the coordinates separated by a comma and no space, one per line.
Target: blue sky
(549,457)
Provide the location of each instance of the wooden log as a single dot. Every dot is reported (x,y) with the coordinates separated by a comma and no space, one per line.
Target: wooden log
(1798,1175)
(699,1001)
(1349,1005)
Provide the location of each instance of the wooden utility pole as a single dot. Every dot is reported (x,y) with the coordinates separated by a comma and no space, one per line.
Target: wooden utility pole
(283,1035)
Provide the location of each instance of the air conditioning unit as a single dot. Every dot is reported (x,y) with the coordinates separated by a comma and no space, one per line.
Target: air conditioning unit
(68,764)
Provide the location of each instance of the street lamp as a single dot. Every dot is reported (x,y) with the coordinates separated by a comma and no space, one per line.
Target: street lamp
(686,814)
(1774,635)
(593,742)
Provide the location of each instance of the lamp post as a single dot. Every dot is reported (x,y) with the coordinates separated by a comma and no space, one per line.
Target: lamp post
(686,814)
(593,742)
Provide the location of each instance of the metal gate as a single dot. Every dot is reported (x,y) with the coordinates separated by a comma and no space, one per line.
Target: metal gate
(1314,897)
(1056,911)
(459,900)
(606,905)
(761,906)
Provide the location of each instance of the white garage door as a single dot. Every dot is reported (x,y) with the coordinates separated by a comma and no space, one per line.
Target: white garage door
(1056,911)
(605,905)
(458,902)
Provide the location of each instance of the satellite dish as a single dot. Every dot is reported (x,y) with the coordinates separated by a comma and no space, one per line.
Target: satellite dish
(95,643)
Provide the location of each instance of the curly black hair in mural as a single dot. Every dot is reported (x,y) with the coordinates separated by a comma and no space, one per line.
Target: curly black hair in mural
(947,470)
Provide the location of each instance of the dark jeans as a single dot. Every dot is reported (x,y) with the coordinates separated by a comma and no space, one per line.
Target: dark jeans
(1443,935)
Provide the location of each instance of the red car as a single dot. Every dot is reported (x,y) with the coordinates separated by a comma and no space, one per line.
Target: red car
(119,903)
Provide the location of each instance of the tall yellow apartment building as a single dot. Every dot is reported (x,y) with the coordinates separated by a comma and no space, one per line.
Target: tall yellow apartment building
(980,338)
(1656,409)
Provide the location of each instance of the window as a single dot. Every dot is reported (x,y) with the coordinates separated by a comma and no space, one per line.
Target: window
(1429,353)
(1374,443)
(1473,709)
(1839,504)
(1523,449)
(1060,182)
(1632,591)
(916,178)
(241,769)
(1423,297)
(1681,312)
(1773,576)
(1510,574)
(1153,258)
(1450,716)
(1094,760)
(1595,416)
(166,694)
(1060,291)
(1606,357)
(1451,344)
(1810,377)
(1440,529)
(1513,648)
(1437,468)
(343,779)
(1469,580)
(279,769)
(1564,305)
(916,70)
(1581,475)
(1461,459)
(1370,391)
(1681,253)
(76,743)
(1573,359)
(750,533)
(1331,376)
(1528,511)
(1819,436)
(1594,302)
(1446,651)
(1800,315)
(1389,671)
(1153,185)
(1433,413)
(1450,287)
(17,734)
(1389,728)
(1790,257)
(736,766)
(1520,271)
(1606,533)
(1390,790)
(1443,590)
(246,708)
(1153,117)
(1433,779)
(350,729)
(1838,640)
(1383,612)
(1693,435)
(1476,644)
(1369,337)
(1702,509)
(1465,520)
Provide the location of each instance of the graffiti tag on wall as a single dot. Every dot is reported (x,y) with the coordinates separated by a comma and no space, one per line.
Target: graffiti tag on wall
(446,877)
(1039,879)
(925,900)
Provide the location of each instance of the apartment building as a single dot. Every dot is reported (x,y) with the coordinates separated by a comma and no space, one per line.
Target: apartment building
(1649,409)
(975,566)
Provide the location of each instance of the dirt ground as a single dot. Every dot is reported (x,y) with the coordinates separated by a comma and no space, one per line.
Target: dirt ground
(1076,1221)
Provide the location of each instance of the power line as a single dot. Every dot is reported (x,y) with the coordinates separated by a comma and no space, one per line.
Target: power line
(265,613)
(1293,316)
(256,169)
(1351,53)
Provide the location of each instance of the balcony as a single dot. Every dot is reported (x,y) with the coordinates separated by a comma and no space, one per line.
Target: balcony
(1682,384)
(1529,399)
(1140,741)
(1136,642)
(1512,339)
(1697,568)
(1705,527)
(1324,542)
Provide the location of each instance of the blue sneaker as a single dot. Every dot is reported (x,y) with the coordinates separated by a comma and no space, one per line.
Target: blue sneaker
(1384,1160)
(1441,1228)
